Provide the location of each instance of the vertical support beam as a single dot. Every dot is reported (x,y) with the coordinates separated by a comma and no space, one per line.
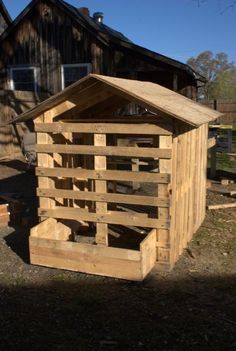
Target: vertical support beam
(100,163)
(229,132)
(163,235)
(175,82)
(45,160)
(213,157)
(135,168)
(204,170)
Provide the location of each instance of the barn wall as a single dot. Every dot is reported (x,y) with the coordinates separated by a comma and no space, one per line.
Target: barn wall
(48,38)
(11,105)
(227,107)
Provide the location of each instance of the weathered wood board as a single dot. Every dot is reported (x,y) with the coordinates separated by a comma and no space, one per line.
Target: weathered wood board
(92,259)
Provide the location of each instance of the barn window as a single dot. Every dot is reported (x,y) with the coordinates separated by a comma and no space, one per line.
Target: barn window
(70,73)
(24,78)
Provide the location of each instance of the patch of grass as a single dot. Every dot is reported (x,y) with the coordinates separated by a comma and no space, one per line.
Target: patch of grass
(225,164)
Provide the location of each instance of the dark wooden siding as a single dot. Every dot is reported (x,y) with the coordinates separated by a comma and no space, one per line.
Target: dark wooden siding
(227,107)
(48,38)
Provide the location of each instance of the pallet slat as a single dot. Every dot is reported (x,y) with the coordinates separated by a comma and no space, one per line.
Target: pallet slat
(112,217)
(104,150)
(112,198)
(95,259)
(144,177)
(106,128)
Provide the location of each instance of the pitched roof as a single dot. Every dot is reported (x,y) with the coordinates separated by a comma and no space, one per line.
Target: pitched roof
(5,13)
(104,34)
(149,95)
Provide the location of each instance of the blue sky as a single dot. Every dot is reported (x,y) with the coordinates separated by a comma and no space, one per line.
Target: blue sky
(175,28)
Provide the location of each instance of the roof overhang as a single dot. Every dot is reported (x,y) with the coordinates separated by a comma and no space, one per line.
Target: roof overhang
(93,89)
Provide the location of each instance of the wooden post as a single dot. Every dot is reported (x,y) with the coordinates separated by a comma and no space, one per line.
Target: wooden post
(45,160)
(229,132)
(163,240)
(213,162)
(100,163)
(175,82)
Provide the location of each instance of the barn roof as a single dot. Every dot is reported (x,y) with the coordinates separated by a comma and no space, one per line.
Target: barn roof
(96,88)
(5,13)
(104,34)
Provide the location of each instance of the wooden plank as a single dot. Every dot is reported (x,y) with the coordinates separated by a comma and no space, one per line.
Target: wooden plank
(4,209)
(211,142)
(105,150)
(192,183)
(174,203)
(100,163)
(45,160)
(112,217)
(59,109)
(112,198)
(93,259)
(204,171)
(51,229)
(76,247)
(148,252)
(126,119)
(145,177)
(165,166)
(221,206)
(106,128)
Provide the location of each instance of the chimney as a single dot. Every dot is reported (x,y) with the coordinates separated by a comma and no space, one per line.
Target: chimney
(98,17)
(84,11)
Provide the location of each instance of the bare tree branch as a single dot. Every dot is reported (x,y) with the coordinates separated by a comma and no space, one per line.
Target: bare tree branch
(230,6)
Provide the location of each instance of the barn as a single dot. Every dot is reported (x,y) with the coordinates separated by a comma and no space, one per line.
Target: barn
(51,44)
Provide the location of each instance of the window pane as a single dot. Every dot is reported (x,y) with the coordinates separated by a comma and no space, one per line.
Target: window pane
(24,86)
(72,74)
(23,79)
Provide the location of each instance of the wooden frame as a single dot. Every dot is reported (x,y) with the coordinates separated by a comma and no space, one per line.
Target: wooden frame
(173,230)
(73,65)
(94,259)
(86,156)
(35,70)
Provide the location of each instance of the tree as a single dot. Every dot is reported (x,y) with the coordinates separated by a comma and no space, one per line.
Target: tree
(211,67)
(224,87)
(227,5)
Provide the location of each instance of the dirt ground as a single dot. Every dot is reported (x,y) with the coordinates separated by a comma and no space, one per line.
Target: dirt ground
(191,308)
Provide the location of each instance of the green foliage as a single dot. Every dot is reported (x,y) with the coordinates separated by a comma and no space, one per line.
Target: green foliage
(224,86)
(219,72)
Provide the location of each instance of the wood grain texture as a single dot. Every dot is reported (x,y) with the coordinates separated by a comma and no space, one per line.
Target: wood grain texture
(145,177)
(112,198)
(95,259)
(112,217)
(107,128)
(104,150)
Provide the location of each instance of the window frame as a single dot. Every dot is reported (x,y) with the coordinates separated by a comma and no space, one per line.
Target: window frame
(20,68)
(68,65)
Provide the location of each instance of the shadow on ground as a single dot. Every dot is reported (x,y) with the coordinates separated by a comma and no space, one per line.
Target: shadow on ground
(107,314)
(18,241)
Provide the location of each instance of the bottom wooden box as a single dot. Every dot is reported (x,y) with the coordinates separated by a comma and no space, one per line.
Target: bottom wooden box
(94,259)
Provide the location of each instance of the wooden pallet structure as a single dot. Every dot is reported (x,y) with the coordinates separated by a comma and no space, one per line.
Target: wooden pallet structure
(86,224)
